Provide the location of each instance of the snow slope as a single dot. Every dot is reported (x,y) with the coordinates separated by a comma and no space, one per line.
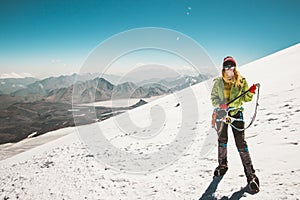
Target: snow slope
(66,169)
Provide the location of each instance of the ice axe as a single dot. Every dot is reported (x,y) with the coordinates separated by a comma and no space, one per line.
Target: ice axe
(244,93)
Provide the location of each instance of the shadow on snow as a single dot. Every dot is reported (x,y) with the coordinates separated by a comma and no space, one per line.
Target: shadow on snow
(208,194)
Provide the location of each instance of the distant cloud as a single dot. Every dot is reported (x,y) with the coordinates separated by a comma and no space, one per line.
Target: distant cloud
(15,75)
(54,61)
(187,70)
(59,62)
(139,64)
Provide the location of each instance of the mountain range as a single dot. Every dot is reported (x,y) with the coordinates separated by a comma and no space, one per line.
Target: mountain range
(10,85)
(89,88)
(31,106)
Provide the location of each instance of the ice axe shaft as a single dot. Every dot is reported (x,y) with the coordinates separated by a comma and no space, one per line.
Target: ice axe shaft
(244,93)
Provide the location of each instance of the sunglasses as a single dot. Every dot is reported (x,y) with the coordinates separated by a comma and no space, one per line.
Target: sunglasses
(229,67)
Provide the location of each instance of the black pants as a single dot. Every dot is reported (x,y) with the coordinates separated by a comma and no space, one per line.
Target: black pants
(241,144)
(239,136)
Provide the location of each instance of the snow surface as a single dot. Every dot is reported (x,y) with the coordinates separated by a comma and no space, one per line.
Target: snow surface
(120,102)
(66,169)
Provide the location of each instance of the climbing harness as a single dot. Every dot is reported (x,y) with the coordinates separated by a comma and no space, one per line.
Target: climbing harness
(221,115)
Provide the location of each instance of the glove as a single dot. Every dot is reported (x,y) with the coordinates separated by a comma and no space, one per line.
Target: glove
(252,88)
(223,106)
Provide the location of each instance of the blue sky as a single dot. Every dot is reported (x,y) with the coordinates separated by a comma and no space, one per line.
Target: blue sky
(54,37)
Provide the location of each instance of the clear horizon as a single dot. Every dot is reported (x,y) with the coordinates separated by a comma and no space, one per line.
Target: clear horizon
(53,38)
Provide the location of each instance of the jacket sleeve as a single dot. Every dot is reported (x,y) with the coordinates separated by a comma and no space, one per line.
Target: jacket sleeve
(214,96)
(248,97)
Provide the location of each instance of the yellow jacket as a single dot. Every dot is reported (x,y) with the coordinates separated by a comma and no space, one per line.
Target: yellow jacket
(217,94)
